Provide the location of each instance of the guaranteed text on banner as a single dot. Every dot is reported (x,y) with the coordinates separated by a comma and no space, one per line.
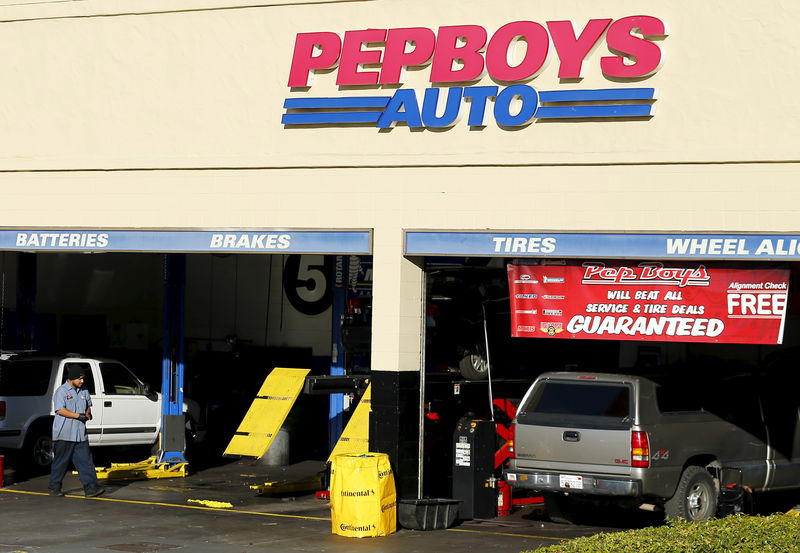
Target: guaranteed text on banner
(652,301)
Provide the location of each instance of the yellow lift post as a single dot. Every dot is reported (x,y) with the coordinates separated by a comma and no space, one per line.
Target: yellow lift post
(355,438)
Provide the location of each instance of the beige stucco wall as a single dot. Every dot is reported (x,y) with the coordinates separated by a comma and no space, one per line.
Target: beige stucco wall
(205,88)
(108,108)
(709,197)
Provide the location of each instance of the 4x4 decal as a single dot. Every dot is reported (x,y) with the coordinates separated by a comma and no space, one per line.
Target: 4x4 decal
(660,454)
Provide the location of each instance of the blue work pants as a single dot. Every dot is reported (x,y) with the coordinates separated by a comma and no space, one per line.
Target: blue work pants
(81,457)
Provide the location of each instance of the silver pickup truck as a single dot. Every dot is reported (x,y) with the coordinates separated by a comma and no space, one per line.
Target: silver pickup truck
(656,442)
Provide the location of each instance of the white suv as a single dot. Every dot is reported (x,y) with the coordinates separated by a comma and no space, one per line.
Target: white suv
(124,410)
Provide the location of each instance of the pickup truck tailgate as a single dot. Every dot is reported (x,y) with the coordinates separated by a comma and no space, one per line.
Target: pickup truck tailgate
(559,447)
(571,425)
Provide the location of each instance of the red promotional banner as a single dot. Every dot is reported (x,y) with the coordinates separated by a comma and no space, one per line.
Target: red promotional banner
(652,301)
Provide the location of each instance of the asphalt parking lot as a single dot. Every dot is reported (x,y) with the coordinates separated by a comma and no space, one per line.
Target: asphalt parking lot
(144,516)
(150,516)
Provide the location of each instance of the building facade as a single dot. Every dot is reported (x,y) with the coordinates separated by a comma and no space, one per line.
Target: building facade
(141,116)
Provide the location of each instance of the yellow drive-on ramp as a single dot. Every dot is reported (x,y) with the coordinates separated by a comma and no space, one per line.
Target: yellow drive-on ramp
(267,413)
(355,438)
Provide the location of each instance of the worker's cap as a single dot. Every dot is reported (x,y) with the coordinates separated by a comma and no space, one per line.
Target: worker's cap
(75,371)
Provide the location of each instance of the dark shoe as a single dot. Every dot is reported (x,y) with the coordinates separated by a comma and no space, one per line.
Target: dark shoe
(55,492)
(94,492)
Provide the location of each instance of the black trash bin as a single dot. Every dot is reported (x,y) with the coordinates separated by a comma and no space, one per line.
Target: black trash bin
(427,514)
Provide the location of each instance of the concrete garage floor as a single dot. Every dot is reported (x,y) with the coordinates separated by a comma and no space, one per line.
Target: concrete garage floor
(155,515)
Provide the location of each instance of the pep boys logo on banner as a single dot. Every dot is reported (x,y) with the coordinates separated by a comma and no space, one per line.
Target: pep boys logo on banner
(648,301)
(463,54)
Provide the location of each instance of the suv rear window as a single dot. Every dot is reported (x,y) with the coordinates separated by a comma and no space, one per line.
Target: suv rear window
(595,404)
(25,378)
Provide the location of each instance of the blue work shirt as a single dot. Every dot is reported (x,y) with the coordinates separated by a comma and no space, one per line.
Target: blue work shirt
(77,401)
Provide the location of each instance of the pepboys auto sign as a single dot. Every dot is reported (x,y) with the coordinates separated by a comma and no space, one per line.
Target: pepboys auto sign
(462,54)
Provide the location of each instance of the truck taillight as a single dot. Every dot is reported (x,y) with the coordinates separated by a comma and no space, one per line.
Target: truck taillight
(640,449)
(2,408)
(510,444)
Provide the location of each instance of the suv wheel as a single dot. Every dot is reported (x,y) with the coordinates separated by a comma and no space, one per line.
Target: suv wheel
(39,447)
(696,496)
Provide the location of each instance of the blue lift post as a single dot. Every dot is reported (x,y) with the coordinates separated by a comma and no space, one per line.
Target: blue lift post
(336,402)
(173,423)
(352,280)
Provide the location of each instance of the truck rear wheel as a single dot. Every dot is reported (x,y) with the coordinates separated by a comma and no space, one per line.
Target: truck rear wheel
(696,496)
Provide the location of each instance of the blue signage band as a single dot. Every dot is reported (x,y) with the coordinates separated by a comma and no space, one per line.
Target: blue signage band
(604,245)
(250,241)
(404,106)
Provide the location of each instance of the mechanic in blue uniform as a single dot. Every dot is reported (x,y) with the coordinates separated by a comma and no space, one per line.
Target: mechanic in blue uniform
(73,407)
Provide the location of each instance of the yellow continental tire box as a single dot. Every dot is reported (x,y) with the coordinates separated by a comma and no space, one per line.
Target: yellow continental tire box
(363,497)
